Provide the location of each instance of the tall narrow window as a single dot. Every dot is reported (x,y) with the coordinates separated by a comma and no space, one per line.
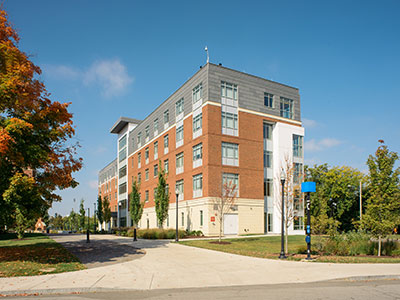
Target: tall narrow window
(179,107)
(267,131)
(146,195)
(166,166)
(197,155)
(267,159)
(155,125)
(139,160)
(297,172)
(297,146)
(198,185)
(166,119)
(146,155)
(179,163)
(197,123)
(268,100)
(146,173)
(197,93)
(139,139)
(201,218)
(155,170)
(286,108)
(147,132)
(268,187)
(179,188)
(155,150)
(179,136)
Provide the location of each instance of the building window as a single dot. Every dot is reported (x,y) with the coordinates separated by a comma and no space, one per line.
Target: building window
(122,172)
(122,142)
(179,135)
(146,155)
(286,108)
(197,93)
(231,180)
(229,120)
(197,122)
(155,150)
(297,146)
(166,166)
(139,160)
(298,222)
(201,218)
(139,139)
(179,188)
(297,172)
(146,196)
(122,154)
(179,163)
(146,174)
(267,159)
(270,222)
(147,132)
(198,185)
(267,131)
(197,155)
(179,107)
(230,154)
(166,118)
(183,219)
(155,125)
(122,188)
(229,90)
(268,187)
(155,170)
(269,100)
(154,193)
(139,177)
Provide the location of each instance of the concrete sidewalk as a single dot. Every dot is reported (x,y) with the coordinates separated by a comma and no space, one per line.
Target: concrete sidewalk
(169,265)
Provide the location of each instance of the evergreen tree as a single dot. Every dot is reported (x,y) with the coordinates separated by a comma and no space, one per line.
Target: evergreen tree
(162,197)
(82,215)
(106,211)
(135,206)
(383,204)
(100,215)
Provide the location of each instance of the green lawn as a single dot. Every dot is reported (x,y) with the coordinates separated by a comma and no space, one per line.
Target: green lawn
(270,247)
(36,254)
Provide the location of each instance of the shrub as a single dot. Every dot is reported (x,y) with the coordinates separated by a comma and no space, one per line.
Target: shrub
(156,233)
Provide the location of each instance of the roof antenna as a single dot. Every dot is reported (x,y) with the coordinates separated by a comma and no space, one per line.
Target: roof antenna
(208,58)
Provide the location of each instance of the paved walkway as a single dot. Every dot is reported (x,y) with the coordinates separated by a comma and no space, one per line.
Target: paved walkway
(168,265)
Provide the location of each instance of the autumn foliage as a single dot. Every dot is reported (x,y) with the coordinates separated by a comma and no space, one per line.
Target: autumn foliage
(35,135)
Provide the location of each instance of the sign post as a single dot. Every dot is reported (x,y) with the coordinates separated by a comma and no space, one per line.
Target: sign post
(307,188)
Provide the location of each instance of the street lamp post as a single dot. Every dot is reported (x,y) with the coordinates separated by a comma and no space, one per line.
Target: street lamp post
(88,226)
(176,221)
(282,255)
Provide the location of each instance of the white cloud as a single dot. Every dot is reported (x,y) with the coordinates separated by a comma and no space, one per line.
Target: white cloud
(100,150)
(314,145)
(111,75)
(308,123)
(93,184)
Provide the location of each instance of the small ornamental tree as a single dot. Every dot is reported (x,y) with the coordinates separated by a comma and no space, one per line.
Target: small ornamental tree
(383,204)
(100,215)
(225,203)
(106,211)
(82,213)
(135,206)
(162,197)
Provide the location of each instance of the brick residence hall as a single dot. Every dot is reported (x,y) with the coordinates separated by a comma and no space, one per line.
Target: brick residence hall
(220,126)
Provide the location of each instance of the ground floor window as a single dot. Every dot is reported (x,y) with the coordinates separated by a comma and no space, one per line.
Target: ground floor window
(183,219)
(270,223)
(298,223)
(201,218)
(122,222)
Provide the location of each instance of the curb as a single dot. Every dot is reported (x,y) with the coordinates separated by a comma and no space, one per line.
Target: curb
(100,289)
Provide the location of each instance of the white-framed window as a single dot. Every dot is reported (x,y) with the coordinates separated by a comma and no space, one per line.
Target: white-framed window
(155,170)
(267,159)
(197,95)
(268,187)
(286,108)
(139,160)
(197,125)
(297,172)
(267,131)
(122,154)
(166,143)
(179,136)
(231,180)
(179,163)
(179,108)
(229,90)
(197,155)
(155,126)
(122,173)
(147,133)
(155,150)
(179,188)
(198,185)
(201,218)
(146,195)
(269,100)
(297,146)
(166,165)
(166,119)
(122,142)
(230,154)
(183,218)
(146,155)
(139,139)
(229,120)
(122,188)
(146,173)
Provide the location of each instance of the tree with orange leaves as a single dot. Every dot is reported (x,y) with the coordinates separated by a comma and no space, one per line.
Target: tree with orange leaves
(36,157)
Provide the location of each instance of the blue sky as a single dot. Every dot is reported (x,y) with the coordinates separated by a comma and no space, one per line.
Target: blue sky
(123,58)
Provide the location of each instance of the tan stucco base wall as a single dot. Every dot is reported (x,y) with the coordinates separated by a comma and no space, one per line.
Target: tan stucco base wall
(199,214)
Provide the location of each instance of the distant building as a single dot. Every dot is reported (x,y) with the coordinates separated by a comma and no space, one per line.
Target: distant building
(40,225)
(220,126)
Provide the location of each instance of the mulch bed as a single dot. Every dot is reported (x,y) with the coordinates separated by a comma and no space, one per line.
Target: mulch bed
(220,243)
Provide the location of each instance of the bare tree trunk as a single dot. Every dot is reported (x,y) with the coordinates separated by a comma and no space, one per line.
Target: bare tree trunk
(220,229)
(379,245)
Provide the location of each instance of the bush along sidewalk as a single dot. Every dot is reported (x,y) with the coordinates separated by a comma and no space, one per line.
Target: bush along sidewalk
(156,233)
